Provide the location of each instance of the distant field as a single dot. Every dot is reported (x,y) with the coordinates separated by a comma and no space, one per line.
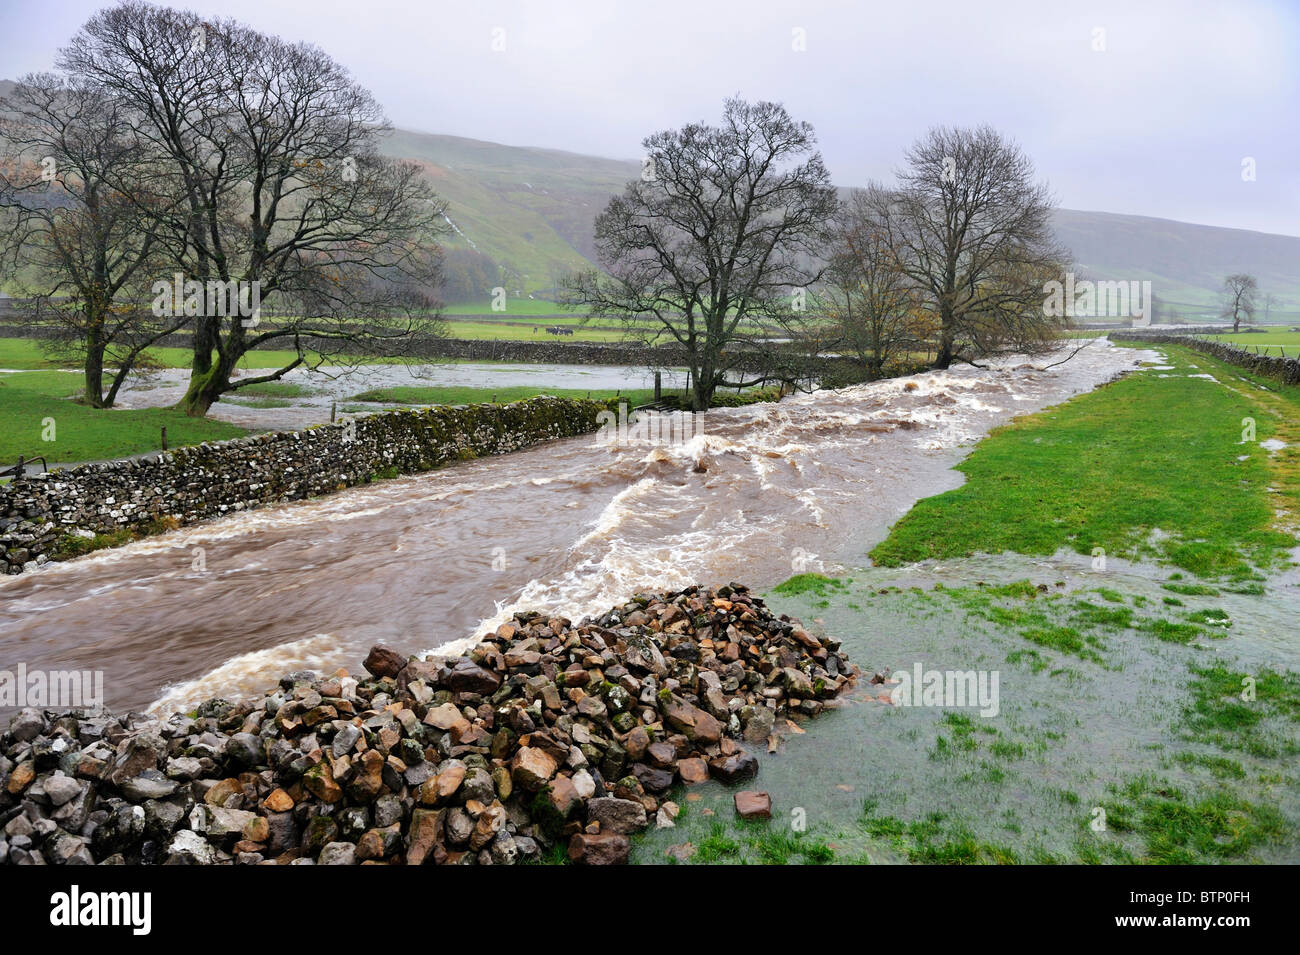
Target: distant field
(1270,343)
(514,331)
(457,395)
(514,306)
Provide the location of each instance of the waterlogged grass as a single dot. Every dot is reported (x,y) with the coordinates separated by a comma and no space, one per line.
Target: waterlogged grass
(759,842)
(1147,466)
(277,389)
(934,840)
(1145,754)
(1178,829)
(810,583)
(533,331)
(1253,713)
(38,405)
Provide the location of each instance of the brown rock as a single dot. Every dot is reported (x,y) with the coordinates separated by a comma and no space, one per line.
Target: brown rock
(319,781)
(693,770)
(661,754)
(424,835)
(695,723)
(601,848)
(21,777)
(532,768)
(448,717)
(563,796)
(218,794)
(490,821)
(369,780)
(637,742)
(729,769)
(257,830)
(278,801)
(468,677)
(384,661)
(610,814)
(371,843)
(444,785)
(751,804)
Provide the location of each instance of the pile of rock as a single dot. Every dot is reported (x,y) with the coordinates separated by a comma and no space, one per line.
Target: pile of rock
(545,734)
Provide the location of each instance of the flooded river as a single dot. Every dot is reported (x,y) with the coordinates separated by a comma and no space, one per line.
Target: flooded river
(425,562)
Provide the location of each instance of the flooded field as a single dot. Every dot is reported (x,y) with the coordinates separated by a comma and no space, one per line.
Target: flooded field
(1114,756)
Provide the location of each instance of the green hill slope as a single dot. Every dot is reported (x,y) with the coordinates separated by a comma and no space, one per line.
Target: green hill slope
(532,210)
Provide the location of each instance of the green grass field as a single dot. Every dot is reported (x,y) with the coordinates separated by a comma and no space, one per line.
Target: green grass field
(1268,343)
(25,353)
(1108,468)
(515,307)
(513,331)
(34,406)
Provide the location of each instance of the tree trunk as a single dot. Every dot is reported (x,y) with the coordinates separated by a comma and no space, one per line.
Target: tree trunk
(95,374)
(207,380)
(703,387)
(204,389)
(943,358)
(94,358)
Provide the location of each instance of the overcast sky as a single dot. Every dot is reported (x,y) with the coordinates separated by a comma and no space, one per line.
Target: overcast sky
(1158,121)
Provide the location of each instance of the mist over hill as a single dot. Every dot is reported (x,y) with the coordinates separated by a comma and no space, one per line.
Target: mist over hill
(532,210)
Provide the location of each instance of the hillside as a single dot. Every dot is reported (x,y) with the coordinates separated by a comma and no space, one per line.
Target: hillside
(532,210)
(1185,262)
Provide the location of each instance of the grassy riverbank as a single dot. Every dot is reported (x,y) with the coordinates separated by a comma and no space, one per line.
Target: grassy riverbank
(1152,466)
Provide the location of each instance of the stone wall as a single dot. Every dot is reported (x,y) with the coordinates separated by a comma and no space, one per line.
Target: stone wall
(66,512)
(1286,370)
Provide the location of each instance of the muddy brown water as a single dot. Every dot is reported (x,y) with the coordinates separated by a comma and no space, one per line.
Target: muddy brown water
(426,562)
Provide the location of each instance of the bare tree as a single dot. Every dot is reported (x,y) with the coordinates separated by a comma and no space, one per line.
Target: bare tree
(870,301)
(972,230)
(270,151)
(1270,302)
(1239,294)
(715,244)
(82,248)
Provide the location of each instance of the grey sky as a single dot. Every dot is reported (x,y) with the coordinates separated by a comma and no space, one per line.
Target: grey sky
(1158,123)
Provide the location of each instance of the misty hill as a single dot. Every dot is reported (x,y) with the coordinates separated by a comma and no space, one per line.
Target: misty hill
(1185,262)
(532,210)
(529,210)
